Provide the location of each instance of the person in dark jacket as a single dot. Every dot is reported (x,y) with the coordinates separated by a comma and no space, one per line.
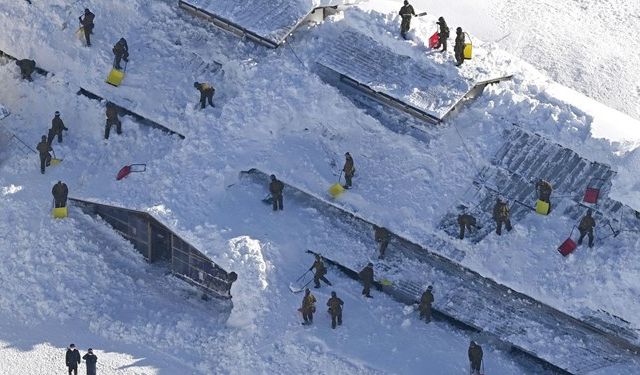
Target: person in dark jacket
(335,309)
(308,307)
(458,48)
(544,189)
(382,236)
(587,223)
(43,149)
(60,192)
(348,169)
(275,188)
(120,52)
(57,126)
(320,271)
(465,221)
(443,34)
(112,119)
(91,361)
(366,275)
(206,93)
(26,68)
(475,357)
(425,304)
(406,12)
(72,359)
(86,21)
(501,216)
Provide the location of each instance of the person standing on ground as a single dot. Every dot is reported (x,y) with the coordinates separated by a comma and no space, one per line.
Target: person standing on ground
(26,68)
(72,359)
(348,169)
(86,21)
(112,119)
(587,223)
(366,275)
(382,236)
(91,361)
(501,216)
(206,93)
(43,149)
(335,309)
(60,193)
(120,52)
(57,126)
(320,271)
(425,304)
(475,357)
(308,307)
(406,12)
(443,34)
(544,189)
(465,221)
(458,48)
(275,188)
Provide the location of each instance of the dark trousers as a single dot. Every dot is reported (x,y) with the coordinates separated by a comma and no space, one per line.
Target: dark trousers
(462,228)
(88,30)
(475,366)
(585,232)
(60,202)
(347,179)
(507,224)
(205,97)
(118,58)
(307,316)
(405,25)
(442,42)
(52,135)
(277,202)
(317,278)
(45,161)
(459,51)
(425,312)
(383,247)
(109,124)
(366,290)
(73,369)
(337,317)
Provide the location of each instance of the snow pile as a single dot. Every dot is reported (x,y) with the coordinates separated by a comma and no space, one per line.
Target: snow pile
(248,291)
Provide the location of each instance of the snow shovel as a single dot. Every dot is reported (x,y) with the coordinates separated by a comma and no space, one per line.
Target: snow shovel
(569,245)
(421,14)
(336,189)
(54,160)
(59,212)
(128,169)
(434,40)
(268,199)
(542,207)
(592,192)
(116,76)
(468,49)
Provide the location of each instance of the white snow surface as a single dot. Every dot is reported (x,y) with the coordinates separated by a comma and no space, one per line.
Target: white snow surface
(77,281)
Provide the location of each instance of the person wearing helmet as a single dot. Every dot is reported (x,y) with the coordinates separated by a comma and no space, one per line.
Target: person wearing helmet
(443,34)
(475,357)
(458,48)
(275,188)
(406,12)
(425,304)
(335,309)
(57,126)
(120,52)
(544,190)
(320,271)
(348,169)
(43,149)
(501,216)
(587,223)
(86,22)
(206,93)
(366,275)
(308,307)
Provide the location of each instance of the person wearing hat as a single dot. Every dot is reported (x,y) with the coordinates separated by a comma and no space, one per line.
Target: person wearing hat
(112,119)
(72,359)
(87,25)
(275,188)
(382,236)
(501,216)
(308,307)
(335,309)
(57,126)
(475,357)
(458,48)
(348,169)
(443,34)
(366,275)
(425,304)
(544,189)
(587,223)
(320,271)
(406,12)
(43,149)
(206,93)
(91,360)
(60,192)
(120,52)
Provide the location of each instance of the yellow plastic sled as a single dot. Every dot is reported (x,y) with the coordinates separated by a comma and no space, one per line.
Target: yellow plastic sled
(60,212)
(542,207)
(468,48)
(336,189)
(115,77)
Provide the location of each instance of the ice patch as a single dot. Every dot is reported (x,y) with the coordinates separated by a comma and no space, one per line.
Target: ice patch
(11,189)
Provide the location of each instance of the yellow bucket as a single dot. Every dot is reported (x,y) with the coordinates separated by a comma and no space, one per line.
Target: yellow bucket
(542,207)
(336,189)
(468,49)
(55,161)
(60,212)
(115,77)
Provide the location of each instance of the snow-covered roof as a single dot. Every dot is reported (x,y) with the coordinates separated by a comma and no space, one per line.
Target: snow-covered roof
(270,19)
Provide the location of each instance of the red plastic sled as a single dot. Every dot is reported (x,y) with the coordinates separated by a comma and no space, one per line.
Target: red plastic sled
(434,40)
(567,247)
(128,169)
(591,195)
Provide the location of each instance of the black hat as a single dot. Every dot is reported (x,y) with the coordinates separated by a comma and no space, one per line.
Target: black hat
(72,345)
(429,287)
(196,83)
(589,212)
(86,10)
(44,137)
(90,350)
(459,29)
(333,294)
(273,177)
(369,264)
(441,19)
(57,113)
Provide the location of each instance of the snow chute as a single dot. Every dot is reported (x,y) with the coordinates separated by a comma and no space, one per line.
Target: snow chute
(116,76)
(60,212)
(336,189)
(128,169)
(542,207)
